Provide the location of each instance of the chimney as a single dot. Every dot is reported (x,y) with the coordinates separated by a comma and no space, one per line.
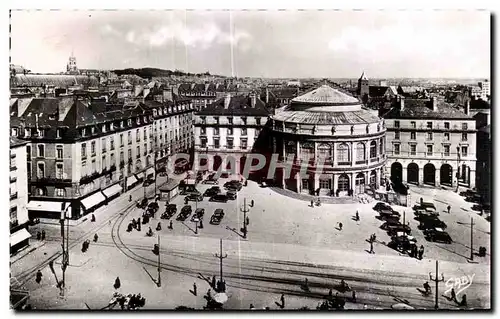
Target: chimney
(253,99)
(434,103)
(467,107)
(267,95)
(227,100)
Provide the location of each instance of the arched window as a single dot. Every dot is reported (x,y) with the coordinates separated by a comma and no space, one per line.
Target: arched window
(343,154)
(41,191)
(290,149)
(360,152)
(343,185)
(325,152)
(306,151)
(373,149)
(381,143)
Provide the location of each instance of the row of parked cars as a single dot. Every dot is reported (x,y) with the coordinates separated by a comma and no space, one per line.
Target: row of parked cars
(187,211)
(214,193)
(432,227)
(400,233)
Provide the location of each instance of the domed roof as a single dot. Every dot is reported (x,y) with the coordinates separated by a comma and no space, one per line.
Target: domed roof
(326,95)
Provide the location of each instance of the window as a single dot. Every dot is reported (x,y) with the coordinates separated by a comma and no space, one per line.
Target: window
(429,125)
(27,132)
(122,157)
(129,154)
(28,152)
(447,125)
(413,135)
(396,124)
(413,124)
(203,130)
(112,160)
(396,135)
(103,162)
(41,191)
(230,120)
(40,173)
(59,170)
(325,183)
(137,135)
(103,145)
(464,126)
(244,120)
(230,131)
(103,128)
(111,143)
(216,131)
(244,143)
(59,151)
(121,139)
(92,130)
(93,166)
(28,169)
(13,163)
(203,142)
(40,132)
(216,143)
(446,149)
(396,148)
(122,124)
(84,168)
(13,132)
(92,148)
(446,136)
(138,153)
(41,150)
(84,150)
(360,152)
(203,120)
(429,149)
(129,137)
(229,143)
(145,149)
(429,136)
(60,192)
(145,133)
(413,149)
(343,153)
(373,149)
(257,120)
(464,136)
(343,184)
(381,148)
(216,120)
(243,131)
(464,151)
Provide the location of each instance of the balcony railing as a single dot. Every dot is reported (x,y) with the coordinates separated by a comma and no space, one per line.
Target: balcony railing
(13,196)
(361,162)
(344,163)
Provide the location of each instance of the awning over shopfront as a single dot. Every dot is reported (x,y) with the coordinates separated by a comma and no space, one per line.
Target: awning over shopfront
(46,206)
(150,171)
(131,180)
(113,190)
(19,236)
(93,200)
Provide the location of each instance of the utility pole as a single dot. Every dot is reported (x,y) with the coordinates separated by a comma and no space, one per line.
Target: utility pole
(436,280)
(221,257)
(245,210)
(458,164)
(159,263)
(65,247)
(471,239)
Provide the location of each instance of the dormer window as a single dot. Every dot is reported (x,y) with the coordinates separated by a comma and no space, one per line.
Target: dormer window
(39,132)
(92,130)
(27,132)
(104,128)
(230,120)
(13,131)
(122,124)
(244,120)
(112,126)
(84,131)
(58,133)
(138,121)
(129,122)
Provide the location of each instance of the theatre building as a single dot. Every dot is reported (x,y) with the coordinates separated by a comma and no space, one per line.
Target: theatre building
(338,143)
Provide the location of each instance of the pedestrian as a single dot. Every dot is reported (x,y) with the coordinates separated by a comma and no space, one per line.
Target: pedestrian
(371,248)
(213,282)
(92,218)
(312,203)
(252,307)
(421,201)
(117,283)
(129,198)
(38,276)
(96,238)
(39,236)
(464,301)
(453,295)
(354,296)
(247,221)
(449,208)
(421,252)
(171,226)
(282,301)
(43,234)
(201,223)
(252,203)
(330,293)
(194,289)
(109,222)
(357,216)
(340,226)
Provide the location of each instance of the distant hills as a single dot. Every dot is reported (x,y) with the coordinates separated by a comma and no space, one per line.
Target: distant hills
(148,73)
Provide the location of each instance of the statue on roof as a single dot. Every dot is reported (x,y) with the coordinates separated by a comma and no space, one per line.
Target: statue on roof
(333,129)
(367,128)
(352,129)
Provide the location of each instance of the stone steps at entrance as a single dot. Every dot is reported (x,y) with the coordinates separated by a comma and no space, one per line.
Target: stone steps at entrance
(324,199)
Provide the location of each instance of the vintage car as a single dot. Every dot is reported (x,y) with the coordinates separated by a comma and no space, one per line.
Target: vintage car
(194,197)
(221,198)
(431,222)
(395,229)
(214,190)
(185,212)
(437,235)
(232,194)
(198,215)
(402,242)
(381,206)
(217,217)
(170,210)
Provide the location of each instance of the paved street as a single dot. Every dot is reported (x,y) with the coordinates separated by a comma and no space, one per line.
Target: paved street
(284,246)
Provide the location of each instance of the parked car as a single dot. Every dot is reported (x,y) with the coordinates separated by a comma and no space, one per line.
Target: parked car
(402,242)
(190,189)
(224,175)
(431,222)
(476,198)
(170,210)
(217,217)
(147,182)
(394,229)
(198,214)
(386,212)
(211,179)
(235,185)
(468,192)
(185,212)
(381,206)
(391,222)
(221,198)
(438,234)
(214,190)
(34,221)
(232,195)
(142,203)
(391,218)
(194,197)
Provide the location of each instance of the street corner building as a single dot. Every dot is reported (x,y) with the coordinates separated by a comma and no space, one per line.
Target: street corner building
(432,143)
(334,139)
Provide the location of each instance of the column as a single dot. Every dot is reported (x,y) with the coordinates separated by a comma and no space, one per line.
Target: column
(367,151)
(353,154)
(334,154)
(274,145)
(316,181)
(378,173)
(335,183)
(437,177)
(405,174)
(298,182)
(297,150)
(283,150)
(352,181)
(420,175)
(283,178)
(367,178)
(472,176)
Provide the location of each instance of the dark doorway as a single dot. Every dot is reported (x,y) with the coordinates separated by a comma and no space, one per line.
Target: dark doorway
(412,172)
(429,174)
(397,173)
(446,174)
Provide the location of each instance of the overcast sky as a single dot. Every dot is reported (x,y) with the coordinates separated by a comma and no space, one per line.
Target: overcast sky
(329,44)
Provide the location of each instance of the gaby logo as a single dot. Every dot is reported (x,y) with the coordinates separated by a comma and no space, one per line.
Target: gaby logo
(459,283)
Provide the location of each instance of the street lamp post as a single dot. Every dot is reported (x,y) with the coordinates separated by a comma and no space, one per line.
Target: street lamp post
(221,257)
(245,210)
(159,263)
(65,246)
(458,164)
(436,280)
(471,239)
